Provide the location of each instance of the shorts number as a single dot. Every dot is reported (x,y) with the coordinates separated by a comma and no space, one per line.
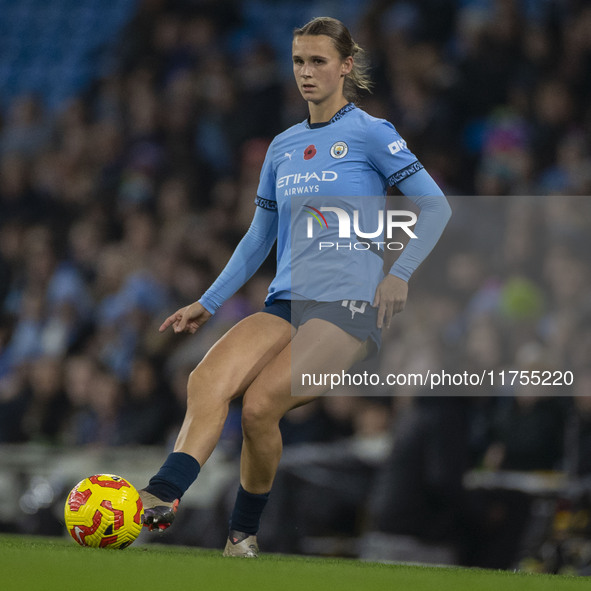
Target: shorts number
(353,307)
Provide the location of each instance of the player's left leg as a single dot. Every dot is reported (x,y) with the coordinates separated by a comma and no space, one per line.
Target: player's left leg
(318,347)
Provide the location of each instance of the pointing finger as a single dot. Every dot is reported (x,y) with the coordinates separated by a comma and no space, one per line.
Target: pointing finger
(381,314)
(167,322)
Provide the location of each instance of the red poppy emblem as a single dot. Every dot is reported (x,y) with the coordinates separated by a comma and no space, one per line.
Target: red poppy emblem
(310,152)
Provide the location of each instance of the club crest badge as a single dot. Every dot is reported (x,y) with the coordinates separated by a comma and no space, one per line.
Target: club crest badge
(339,150)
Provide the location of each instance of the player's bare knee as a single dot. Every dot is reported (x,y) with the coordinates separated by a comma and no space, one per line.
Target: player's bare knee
(257,417)
(253,418)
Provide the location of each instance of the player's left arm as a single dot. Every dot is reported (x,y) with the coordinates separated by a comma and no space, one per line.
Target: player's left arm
(392,292)
(388,153)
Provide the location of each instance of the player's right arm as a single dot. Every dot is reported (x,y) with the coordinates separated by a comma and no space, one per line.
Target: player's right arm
(249,255)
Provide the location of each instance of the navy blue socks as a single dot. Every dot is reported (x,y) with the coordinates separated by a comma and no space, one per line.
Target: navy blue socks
(248,508)
(176,475)
(180,471)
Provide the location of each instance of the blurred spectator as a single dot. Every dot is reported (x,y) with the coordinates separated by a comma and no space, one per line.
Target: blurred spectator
(79,378)
(528,429)
(146,411)
(419,489)
(98,419)
(527,434)
(47,407)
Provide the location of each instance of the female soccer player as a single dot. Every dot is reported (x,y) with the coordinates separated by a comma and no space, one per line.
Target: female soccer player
(338,151)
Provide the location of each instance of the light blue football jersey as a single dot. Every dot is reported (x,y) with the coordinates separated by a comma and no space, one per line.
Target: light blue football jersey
(348,162)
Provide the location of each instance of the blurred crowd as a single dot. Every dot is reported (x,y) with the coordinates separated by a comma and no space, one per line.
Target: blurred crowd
(126,203)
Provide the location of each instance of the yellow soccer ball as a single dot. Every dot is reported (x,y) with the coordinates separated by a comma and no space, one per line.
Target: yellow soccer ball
(104,511)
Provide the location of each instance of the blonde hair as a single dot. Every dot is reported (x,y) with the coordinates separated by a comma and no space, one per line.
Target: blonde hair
(358,79)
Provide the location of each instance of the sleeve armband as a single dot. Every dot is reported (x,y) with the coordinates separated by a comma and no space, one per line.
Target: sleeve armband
(266,204)
(405,173)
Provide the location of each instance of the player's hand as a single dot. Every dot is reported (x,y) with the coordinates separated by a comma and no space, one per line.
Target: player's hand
(187,319)
(390,298)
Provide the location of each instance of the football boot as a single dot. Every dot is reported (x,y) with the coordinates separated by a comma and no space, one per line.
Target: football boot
(158,514)
(241,545)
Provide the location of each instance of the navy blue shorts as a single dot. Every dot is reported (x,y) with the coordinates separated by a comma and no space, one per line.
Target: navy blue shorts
(354,317)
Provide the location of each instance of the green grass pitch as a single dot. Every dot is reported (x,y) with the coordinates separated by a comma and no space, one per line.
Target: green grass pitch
(47,564)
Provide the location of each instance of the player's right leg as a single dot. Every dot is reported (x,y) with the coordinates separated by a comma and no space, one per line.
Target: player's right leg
(224,374)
